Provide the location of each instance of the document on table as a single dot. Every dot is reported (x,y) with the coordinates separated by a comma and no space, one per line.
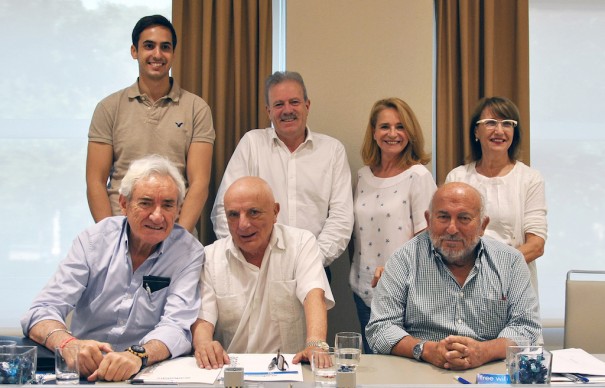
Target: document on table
(256,367)
(181,370)
(579,361)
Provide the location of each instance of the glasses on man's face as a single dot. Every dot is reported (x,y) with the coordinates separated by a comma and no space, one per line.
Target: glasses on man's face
(493,123)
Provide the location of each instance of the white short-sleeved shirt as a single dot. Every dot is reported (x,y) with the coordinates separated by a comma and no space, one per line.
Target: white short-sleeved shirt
(260,310)
(388,212)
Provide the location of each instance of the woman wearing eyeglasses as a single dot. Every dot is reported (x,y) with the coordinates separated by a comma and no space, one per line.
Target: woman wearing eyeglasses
(513,192)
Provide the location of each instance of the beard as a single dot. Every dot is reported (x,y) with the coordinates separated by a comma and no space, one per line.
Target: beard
(454,256)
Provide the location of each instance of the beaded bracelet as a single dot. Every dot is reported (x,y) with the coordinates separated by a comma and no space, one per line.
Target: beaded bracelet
(53,332)
(65,342)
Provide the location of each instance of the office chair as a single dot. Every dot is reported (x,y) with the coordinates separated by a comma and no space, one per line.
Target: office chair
(585,311)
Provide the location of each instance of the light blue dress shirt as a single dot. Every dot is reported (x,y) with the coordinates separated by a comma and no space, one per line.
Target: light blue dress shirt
(110,302)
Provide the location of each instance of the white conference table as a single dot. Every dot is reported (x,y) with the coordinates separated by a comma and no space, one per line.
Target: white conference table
(384,370)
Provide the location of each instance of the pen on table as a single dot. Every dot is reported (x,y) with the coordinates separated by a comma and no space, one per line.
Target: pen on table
(576,377)
(461,380)
(281,372)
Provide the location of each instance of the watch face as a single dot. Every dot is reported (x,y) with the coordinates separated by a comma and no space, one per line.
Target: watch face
(138,348)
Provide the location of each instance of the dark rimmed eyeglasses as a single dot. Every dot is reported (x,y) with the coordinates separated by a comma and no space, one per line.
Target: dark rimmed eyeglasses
(279,362)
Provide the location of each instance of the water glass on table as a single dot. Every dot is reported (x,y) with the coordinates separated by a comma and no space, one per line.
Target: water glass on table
(347,349)
(324,367)
(67,369)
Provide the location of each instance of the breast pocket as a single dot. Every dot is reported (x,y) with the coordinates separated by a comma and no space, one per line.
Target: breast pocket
(492,318)
(231,309)
(285,306)
(150,307)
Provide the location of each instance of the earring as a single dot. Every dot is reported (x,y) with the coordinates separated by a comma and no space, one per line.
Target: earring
(476,139)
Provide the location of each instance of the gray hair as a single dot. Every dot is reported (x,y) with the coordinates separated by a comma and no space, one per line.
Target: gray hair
(146,167)
(281,76)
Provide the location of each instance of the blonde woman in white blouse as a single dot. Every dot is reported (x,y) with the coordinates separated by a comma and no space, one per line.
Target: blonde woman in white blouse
(392,193)
(513,192)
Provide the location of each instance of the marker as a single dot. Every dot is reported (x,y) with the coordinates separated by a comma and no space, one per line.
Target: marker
(461,380)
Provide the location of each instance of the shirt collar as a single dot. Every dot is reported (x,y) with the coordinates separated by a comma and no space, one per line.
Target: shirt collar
(157,252)
(174,93)
(308,137)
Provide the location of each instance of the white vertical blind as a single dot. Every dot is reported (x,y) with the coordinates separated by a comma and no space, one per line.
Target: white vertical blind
(61,58)
(567,85)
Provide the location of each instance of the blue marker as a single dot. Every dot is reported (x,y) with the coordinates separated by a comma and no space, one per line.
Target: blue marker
(461,380)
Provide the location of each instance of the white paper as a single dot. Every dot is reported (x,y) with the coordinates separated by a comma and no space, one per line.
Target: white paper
(575,360)
(179,370)
(259,363)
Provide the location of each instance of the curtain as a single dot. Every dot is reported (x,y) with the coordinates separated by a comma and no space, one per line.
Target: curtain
(224,55)
(482,51)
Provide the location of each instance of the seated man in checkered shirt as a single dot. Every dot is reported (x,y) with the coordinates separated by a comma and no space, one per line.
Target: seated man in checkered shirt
(450,296)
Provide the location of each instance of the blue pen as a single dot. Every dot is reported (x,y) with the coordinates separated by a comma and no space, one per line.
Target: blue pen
(281,372)
(461,380)
(582,378)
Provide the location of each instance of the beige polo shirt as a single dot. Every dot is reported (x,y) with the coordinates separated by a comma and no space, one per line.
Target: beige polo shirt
(135,127)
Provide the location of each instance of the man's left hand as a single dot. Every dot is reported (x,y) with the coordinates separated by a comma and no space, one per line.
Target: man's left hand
(117,366)
(304,355)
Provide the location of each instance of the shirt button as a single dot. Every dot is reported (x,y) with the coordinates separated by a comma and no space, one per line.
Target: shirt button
(460,321)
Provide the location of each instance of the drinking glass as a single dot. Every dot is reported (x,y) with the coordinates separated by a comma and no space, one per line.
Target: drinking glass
(324,367)
(67,370)
(347,349)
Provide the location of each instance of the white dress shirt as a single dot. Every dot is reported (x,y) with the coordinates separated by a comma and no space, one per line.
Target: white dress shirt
(260,310)
(311,184)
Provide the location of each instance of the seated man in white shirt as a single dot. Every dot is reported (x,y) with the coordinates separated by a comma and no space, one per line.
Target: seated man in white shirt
(263,287)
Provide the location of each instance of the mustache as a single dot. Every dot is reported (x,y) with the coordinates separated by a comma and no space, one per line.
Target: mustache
(288,116)
(451,237)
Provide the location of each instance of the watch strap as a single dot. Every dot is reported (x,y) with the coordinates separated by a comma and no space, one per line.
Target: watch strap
(417,351)
(317,344)
(140,352)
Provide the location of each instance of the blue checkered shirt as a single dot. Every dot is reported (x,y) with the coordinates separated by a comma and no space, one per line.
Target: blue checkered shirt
(418,295)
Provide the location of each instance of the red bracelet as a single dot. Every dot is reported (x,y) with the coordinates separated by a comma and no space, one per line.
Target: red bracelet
(65,342)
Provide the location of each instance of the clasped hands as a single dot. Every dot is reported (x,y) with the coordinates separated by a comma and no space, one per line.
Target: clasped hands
(98,361)
(456,353)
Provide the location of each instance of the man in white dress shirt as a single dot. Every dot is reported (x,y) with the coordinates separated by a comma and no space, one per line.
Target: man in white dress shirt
(263,287)
(308,172)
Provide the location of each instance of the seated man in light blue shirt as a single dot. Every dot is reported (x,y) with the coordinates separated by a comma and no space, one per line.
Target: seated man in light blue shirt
(132,282)
(451,297)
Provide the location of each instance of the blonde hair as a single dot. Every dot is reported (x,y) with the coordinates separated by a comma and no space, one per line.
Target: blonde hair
(413,153)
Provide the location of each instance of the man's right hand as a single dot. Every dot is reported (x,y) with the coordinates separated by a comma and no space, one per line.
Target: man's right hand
(211,355)
(90,355)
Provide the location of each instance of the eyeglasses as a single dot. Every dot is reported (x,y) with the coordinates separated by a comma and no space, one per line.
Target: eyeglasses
(493,123)
(279,361)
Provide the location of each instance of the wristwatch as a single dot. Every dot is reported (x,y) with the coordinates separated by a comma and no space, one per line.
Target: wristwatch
(418,348)
(140,352)
(318,344)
